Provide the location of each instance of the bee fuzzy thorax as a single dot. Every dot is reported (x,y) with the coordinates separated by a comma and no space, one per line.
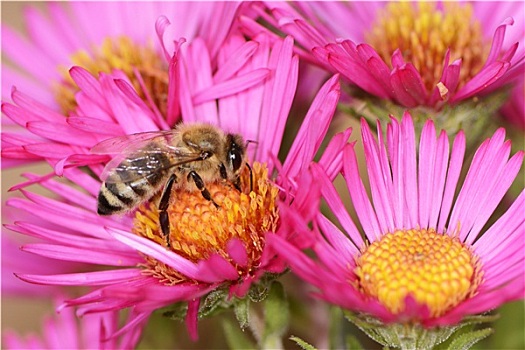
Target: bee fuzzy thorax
(199,229)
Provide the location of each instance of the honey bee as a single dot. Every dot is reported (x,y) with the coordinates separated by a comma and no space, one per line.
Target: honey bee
(185,158)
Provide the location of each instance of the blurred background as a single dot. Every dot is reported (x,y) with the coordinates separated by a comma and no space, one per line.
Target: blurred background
(24,314)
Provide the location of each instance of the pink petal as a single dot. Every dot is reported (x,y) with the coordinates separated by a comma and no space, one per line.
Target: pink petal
(62,132)
(216,269)
(453,173)
(237,252)
(278,100)
(84,279)
(379,179)
(408,86)
(313,129)
(235,61)
(232,86)
(427,154)
(191,318)
(100,256)
(363,206)
(156,251)
(338,209)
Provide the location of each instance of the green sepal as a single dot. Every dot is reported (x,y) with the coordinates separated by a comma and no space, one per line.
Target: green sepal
(259,291)
(466,340)
(241,309)
(176,312)
(236,338)
(215,302)
(304,345)
(414,336)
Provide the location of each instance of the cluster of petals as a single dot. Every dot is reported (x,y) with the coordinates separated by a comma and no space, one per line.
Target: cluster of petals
(339,47)
(250,92)
(413,191)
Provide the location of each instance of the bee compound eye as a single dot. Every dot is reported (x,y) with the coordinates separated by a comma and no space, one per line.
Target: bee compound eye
(235,158)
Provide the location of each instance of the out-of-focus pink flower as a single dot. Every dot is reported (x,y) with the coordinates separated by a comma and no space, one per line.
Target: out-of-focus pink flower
(421,54)
(15,260)
(65,331)
(250,92)
(425,256)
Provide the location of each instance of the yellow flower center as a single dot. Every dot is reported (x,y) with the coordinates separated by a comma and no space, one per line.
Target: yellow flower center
(423,34)
(120,53)
(436,269)
(199,229)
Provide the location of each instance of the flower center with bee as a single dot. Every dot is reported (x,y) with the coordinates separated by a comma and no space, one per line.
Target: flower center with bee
(122,54)
(423,33)
(437,270)
(200,227)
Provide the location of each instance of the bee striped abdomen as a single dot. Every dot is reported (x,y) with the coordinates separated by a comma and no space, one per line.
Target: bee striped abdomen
(125,189)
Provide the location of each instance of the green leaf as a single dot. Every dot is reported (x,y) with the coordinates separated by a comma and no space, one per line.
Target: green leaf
(236,338)
(304,345)
(466,340)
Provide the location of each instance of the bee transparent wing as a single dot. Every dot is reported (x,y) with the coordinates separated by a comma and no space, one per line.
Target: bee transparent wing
(147,161)
(133,142)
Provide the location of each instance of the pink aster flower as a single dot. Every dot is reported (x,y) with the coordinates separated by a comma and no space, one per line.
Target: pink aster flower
(411,54)
(65,331)
(256,81)
(417,253)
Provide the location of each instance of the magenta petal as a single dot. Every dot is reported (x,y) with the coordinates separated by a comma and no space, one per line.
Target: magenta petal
(157,251)
(84,279)
(160,27)
(453,173)
(62,132)
(313,129)
(191,319)
(408,86)
(332,158)
(216,269)
(136,321)
(88,85)
(237,252)
(365,210)
(232,86)
(99,256)
(497,40)
(236,60)
(487,76)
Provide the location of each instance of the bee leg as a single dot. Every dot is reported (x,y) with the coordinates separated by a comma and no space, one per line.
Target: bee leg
(164,219)
(251,176)
(201,186)
(222,171)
